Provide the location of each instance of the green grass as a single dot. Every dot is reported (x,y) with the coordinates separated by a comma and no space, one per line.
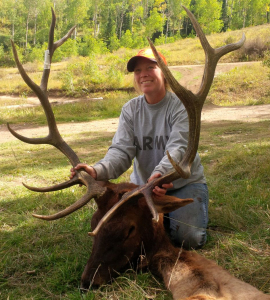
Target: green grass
(245,85)
(44,260)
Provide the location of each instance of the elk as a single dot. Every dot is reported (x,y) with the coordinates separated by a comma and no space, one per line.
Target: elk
(128,223)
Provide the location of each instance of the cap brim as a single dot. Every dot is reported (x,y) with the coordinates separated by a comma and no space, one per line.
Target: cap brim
(132,62)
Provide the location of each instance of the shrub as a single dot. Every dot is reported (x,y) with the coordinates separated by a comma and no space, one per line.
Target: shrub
(114,43)
(81,75)
(253,49)
(127,40)
(68,49)
(91,45)
(36,53)
(266,60)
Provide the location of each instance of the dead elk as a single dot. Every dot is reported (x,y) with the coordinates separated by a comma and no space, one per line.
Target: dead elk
(129,217)
(130,237)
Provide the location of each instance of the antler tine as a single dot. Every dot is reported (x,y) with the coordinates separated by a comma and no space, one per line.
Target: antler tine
(193,104)
(67,211)
(57,187)
(54,138)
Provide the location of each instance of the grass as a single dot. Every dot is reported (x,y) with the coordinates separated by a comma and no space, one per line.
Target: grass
(44,260)
(245,85)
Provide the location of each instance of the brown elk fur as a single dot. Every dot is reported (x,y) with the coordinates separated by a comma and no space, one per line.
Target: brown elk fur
(130,237)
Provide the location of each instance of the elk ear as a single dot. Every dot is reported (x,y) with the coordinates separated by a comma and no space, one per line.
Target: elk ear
(166,204)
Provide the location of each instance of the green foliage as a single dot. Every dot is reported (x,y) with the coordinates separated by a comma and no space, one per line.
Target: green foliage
(266,60)
(208,14)
(36,53)
(114,43)
(90,45)
(127,40)
(84,75)
(154,23)
(68,49)
(1,51)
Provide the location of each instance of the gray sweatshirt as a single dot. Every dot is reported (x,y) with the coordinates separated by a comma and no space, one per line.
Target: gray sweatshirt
(145,132)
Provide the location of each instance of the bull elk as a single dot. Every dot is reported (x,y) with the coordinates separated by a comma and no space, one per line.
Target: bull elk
(135,215)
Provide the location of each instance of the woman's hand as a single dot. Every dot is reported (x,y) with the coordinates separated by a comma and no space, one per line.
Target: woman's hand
(88,169)
(157,190)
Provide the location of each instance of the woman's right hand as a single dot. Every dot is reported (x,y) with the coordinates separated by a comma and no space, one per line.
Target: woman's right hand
(88,169)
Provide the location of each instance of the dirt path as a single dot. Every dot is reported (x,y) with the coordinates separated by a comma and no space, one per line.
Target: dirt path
(191,79)
(211,113)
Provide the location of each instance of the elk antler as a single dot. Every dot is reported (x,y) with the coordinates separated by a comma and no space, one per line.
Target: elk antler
(54,138)
(193,104)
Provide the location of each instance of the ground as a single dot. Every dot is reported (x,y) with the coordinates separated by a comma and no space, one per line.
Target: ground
(191,79)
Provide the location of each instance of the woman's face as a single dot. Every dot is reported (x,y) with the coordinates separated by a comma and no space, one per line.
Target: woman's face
(149,78)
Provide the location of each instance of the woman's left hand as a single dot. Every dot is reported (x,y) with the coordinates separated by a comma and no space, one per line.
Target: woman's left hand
(157,190)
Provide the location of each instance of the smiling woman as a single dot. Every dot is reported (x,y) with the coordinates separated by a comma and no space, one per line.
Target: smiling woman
(150,125)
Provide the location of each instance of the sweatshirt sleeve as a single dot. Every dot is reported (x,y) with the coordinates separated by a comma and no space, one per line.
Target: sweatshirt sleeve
(178,139)
(122,151)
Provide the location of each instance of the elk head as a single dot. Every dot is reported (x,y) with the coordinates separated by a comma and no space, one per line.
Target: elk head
(127,240)
(123,223)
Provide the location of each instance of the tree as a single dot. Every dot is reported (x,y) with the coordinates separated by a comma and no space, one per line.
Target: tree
(76,12)
(208,13)
(154,23)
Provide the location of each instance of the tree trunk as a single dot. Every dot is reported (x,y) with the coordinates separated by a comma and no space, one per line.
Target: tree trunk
(13,30)
(244,20)
(35,29)
(26,33)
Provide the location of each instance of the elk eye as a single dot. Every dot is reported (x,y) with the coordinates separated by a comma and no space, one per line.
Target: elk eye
(131,230)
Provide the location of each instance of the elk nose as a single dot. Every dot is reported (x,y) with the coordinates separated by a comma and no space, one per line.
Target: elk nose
(86,285)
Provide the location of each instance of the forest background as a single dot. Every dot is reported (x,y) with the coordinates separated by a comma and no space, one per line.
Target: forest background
(106,25)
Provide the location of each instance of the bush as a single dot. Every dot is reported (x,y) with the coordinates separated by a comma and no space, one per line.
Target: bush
(266,60)
(127,40)
(81,75)
(90,45)
(114,43)
(253,50)
(68,49)
(36,53)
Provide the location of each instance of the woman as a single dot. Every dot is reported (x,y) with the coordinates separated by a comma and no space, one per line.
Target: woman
(149,125)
